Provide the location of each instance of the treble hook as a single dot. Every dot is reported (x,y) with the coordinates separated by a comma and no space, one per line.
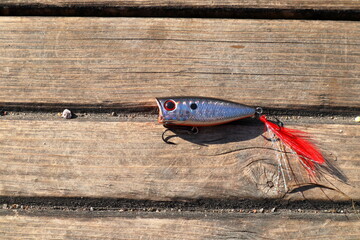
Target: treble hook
(279,123)
(193,131)
(166,139)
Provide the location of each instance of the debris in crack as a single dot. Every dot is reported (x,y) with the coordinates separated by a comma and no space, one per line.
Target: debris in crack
(66,114)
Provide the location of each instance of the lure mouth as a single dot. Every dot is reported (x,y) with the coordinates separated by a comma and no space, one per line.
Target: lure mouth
(160,117)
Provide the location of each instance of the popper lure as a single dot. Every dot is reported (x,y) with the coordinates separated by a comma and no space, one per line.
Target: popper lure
(199,111)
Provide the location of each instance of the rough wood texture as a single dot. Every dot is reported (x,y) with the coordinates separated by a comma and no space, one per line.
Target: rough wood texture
(283,4)
(129,160)
(177,226)
(126,62)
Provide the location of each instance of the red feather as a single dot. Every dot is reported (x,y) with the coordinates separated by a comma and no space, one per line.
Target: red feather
(299,142)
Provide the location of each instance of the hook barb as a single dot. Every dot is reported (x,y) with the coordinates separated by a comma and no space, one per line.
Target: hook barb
(166,139)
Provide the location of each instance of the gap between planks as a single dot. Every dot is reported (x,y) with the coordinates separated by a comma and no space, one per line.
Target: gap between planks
(230,12)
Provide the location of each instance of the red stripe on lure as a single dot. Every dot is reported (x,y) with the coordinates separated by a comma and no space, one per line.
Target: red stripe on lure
(201,111)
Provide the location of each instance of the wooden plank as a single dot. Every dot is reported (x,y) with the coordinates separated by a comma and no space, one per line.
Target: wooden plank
(77,225)
(79,158)
(283,4)
(125,62)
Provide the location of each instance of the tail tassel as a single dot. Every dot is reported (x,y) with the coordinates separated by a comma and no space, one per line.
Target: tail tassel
(299,142)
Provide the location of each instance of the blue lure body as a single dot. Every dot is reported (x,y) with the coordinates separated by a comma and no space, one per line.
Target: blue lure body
(200,111)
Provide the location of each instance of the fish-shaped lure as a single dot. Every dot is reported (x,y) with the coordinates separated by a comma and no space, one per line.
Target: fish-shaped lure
(201,111)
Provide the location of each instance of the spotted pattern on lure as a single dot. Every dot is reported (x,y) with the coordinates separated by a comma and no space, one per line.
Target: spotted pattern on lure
(200,111)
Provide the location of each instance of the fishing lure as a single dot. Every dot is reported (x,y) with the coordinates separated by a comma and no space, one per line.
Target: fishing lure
(200,111)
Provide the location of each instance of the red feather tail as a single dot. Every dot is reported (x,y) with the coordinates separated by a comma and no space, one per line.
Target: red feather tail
(299,142)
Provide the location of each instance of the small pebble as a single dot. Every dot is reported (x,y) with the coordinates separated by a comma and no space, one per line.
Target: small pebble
(91,209)
(14,206)
(66,114)
(273,210)
(357,119)
(114,114)
(261,210)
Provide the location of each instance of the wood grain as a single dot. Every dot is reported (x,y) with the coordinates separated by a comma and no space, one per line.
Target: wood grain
(76,225)
(283,4)
(123,63)
(129,160)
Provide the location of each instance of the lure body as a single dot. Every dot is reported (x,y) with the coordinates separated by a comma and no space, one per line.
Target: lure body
(200,111)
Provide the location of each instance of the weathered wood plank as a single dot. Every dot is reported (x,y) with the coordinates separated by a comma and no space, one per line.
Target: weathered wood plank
(126,62)
(129,160)
(283,4)
(79,225)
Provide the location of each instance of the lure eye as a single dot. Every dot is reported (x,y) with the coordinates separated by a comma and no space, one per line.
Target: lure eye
(169,105)
(193,106)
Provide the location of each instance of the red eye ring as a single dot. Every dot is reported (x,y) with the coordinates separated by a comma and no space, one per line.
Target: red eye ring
(170,105)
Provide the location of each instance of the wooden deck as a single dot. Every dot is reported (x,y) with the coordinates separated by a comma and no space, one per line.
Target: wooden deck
(106,174)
